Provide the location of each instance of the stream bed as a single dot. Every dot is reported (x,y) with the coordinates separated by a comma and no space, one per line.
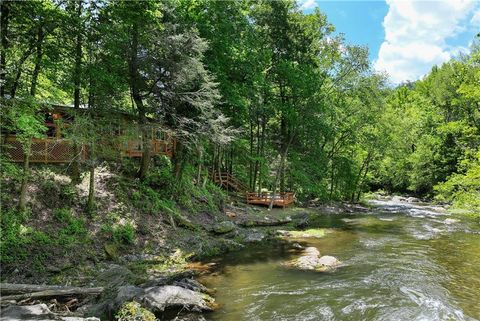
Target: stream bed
(401,261)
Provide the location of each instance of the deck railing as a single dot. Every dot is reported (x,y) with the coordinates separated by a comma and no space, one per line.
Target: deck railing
(60,150)
(43,150)
(133,148)
(227,180)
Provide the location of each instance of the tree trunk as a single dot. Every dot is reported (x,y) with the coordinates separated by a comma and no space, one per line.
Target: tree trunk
(91,186)
(262,154)
(137,98)
(75,175)
(16,81)
(257,154)
(357,179)
(232,157)
(22,202)
(54,293)
(15,288)
(250,176)
(359,193)
(332,179)
(199,167)
(38,60)
(283,137)
(277,177)
(177,161)
(282,165)
(145,162)
(4,17)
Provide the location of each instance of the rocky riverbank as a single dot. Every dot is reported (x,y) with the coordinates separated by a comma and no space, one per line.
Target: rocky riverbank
(134,254)
(162,284)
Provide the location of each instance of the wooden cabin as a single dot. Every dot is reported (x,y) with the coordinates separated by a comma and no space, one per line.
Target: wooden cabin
(125,140)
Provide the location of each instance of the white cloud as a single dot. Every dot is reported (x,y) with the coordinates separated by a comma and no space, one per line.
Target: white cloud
(307,4)
(476,18)
(416,34)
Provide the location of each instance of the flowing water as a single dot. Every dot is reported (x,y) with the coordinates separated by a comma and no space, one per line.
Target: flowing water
(402,261)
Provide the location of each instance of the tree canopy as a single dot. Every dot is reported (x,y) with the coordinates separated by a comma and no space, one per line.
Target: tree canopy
(258,89)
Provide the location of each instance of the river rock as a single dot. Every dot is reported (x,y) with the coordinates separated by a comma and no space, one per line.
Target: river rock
(37,312)
(111,250)
(297,246)
(311,260)
(223,227)
(115,276)
(326,263)
(157,299)
(412,200)
(254,237)
(191,284)
(190,317)
(127,293)
(449,221)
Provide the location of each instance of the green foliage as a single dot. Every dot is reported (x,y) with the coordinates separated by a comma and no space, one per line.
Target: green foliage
(432,148)
(262,89)
(57,194)
(124,234)
(463,190)
(133,311)
(12,236)
(19,242)
(23,118)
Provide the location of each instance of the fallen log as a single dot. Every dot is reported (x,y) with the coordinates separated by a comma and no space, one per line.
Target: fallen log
(8,288)
(27,291)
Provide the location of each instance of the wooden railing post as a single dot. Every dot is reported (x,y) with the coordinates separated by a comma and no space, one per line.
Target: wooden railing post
(46,150)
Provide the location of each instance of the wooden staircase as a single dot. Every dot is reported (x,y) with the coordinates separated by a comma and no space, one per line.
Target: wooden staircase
(228,181)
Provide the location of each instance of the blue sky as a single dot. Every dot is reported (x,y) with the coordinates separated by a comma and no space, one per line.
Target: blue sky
(405,37)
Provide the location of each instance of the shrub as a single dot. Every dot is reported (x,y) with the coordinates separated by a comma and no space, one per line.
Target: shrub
(63,215)
(124,234)
(12,238)
(57,194)
(133,311)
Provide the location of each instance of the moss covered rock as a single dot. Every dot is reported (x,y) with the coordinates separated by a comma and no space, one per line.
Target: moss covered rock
(224,227)
(133,311)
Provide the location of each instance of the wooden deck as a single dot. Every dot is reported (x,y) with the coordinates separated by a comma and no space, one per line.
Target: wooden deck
(229,182)
(280,200)
(60,150)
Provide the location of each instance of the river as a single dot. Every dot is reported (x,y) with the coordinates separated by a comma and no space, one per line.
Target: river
(401,261)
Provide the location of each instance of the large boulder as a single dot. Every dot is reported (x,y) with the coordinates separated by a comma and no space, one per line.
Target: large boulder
(126,293)
(159,298)
(37,312)
(191,284)
(311,260)
(116,276)
(224,227)
(327,263)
